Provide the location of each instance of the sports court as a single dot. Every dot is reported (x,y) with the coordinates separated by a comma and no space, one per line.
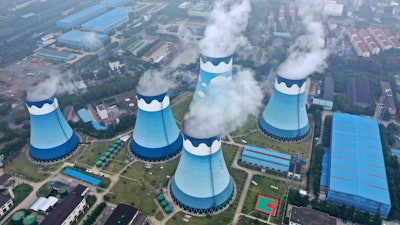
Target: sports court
(266,205)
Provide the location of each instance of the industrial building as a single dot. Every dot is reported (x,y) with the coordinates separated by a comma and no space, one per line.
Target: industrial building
(266,158)
(81,16)
(358,91)
(356,161)
(211,69)
(55,54)
(202,184)
(387,99)
(285,116)
(108,22)
(155,136)
(114,3)
(51,136)
(6,203)
(306,216)
(329,89)
(83,40)
(125,214)
(69,208)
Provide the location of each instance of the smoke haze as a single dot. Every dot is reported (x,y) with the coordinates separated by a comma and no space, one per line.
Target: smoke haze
(226,108)
(223,34)
(55,83)
(308,53)
(155,82)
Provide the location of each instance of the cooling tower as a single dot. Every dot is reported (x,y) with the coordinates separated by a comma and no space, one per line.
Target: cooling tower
(156,136)
(202,184)
(285,116)
(213,71)
(51,136)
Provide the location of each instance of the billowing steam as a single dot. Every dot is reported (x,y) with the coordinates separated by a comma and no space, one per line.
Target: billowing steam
(91,41)
(223,35)
(226,108)
(308,53)
(55,83)
(155,82)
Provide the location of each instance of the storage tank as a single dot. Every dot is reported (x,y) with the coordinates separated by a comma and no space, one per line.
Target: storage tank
(18,217)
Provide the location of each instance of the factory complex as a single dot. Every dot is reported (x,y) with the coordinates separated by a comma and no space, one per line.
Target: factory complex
(354,170)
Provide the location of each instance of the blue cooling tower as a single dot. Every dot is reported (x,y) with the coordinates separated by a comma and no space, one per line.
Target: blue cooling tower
(213,71)
(51,136)
(285,116)
(156,136)
(202,184)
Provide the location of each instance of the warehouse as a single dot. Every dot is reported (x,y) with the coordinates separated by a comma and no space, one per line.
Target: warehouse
(81,16)
(108,22)
(114,3)
(356,161)
(54,54)
(82,40)
(266,158)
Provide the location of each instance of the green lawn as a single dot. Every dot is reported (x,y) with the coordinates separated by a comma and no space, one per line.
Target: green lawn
(155,176)
(135,193)
(264,187)
(114,166)
(91,153)
(21,191)
(26,169)
(45,190)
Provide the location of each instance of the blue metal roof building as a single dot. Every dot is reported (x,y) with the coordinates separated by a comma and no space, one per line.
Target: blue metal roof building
(357,173)
(266,158)
(81,16)
(114,3)
(54,54)
(83,40)
(108,22)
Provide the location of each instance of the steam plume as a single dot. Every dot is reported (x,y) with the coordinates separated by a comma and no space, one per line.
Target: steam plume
(308,54)
(55,83)
(225,108)
(223,35)
(155,82)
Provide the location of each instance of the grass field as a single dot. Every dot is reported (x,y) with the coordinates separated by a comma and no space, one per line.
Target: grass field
(117,163)
(26,169)
(265,187)
(91,153)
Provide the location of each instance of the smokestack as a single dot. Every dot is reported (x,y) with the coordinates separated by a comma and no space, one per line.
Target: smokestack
(202,184)
(51,136)
(156,136)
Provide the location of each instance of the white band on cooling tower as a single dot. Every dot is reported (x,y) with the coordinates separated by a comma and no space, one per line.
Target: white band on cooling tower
(154,105)
(222,67)
(46,108)
(293,90)
(202,149)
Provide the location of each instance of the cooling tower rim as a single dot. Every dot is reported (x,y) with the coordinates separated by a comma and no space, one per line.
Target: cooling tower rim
(146,92)
(196,140)
(41,102)
(216,60)
(149,98)
(281,78)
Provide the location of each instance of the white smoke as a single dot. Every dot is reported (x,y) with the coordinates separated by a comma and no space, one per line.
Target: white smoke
(225,108)
(223,35)
(155,82)
(92,42)
(55,83)
(308,54)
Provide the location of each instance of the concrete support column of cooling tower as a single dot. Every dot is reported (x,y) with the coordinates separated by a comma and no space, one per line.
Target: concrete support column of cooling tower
(51,136)
(202,184)
(211,70)
(285,116)
(156,136)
